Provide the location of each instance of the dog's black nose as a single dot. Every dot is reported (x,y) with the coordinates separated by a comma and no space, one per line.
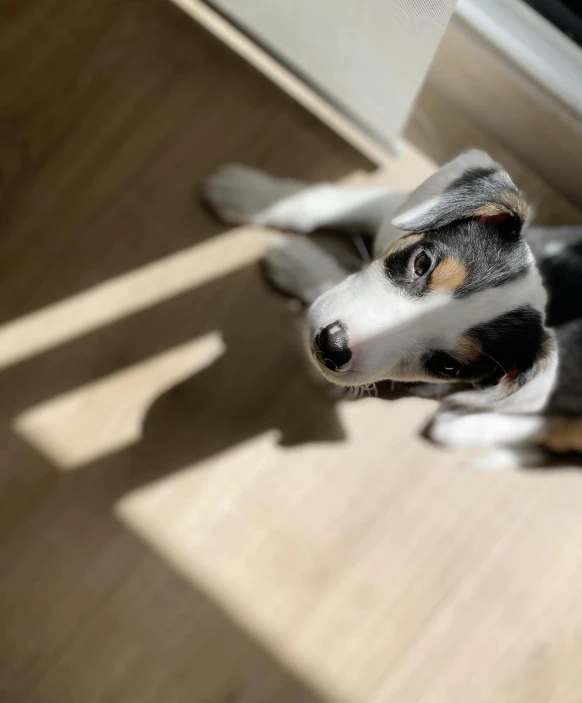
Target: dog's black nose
(331,346)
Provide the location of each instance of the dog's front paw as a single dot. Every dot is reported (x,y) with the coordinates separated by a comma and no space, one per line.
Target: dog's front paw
(509,459)
(243,195)
(463,428)
(238,194)
(301,269)
(456,429)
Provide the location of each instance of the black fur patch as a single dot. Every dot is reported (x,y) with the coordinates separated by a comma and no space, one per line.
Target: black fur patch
(562,276)
(471,179)
(489,260)
(510,343)
(399,269)
(514,339)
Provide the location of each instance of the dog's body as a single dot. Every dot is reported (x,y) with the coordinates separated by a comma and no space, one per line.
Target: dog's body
(455,296)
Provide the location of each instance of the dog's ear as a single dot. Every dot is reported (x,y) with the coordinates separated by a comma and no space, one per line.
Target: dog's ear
(472,186)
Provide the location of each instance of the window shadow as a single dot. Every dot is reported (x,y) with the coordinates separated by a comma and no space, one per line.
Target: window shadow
(89,611)
(260,383)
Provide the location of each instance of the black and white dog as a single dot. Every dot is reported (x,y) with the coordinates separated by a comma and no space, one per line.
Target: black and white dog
(455,295)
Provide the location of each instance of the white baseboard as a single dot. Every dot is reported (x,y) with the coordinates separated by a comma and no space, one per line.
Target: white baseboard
(541,50)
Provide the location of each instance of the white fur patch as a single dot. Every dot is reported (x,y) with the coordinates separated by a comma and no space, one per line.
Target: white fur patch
(534,395)
(484,429)
(404,218)
(554,248)
(508,458)
(317,206)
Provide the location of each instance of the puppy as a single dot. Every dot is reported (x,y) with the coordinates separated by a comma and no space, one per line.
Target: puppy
(456,296)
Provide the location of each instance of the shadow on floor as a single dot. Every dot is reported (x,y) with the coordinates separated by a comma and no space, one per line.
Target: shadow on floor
(99,164)
(89,613)
(260,383)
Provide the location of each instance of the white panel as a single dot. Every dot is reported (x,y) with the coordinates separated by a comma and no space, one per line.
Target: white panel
(536,46)
(368,57)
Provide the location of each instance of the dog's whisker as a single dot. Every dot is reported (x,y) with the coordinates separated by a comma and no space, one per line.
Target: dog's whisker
(361,247)
(352,392)
(495,360)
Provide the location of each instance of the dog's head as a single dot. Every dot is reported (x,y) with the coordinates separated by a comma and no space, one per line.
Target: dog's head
(456,298)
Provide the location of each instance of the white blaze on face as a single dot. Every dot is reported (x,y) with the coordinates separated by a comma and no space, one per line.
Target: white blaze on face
(389,331)
(379,318)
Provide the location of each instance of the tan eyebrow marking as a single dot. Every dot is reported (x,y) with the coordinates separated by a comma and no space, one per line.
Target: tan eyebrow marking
(468,349)
(491,209)
(448,275)
(511,203)
(403,242)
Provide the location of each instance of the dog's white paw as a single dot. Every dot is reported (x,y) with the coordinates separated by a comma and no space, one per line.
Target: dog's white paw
(458,429)
(238,194)
(300,268)
(461,429)
(502,459)
(244,195)
(509,459)
(454,429)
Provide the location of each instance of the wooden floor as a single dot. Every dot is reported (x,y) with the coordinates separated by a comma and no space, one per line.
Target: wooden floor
(186,515)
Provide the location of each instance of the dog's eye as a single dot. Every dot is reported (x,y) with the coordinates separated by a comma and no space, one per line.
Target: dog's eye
(422,263)
(450,368)
(443,365)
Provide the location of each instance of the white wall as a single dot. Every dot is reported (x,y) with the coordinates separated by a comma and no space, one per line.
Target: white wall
(368,57)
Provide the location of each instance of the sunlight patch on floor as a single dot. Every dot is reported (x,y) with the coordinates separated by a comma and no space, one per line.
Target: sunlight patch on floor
(209,522)
(272,534)
(129,293)
(107,415)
